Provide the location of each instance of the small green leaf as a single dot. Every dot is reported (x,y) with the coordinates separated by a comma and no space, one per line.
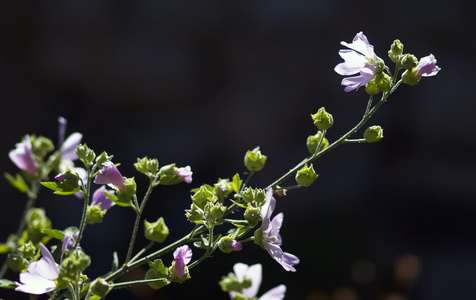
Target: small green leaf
(7,284)
(158,266)
(114,199)
(17,182)
(55,233)
(236,183)
(62,188)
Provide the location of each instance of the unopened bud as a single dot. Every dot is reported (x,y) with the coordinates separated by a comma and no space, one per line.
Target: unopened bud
(373,134)
(322,119)
(156,231)
(306,176)
(254,160)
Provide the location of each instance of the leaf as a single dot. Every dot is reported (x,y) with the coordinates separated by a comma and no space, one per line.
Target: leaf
(114,199)
(65,187)
(17,182)
(55,233)
(236,183)
(7,284)
(158,267)
(203,244)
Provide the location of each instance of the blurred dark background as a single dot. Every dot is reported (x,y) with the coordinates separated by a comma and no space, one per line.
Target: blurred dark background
(200,82)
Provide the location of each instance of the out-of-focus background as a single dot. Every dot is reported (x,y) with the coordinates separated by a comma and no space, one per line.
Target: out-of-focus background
(200,82)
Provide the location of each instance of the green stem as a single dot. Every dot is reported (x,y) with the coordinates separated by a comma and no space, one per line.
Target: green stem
(207,252)
(127,284)
(85,208)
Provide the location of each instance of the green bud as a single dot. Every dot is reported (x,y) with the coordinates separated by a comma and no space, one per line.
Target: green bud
(86,155)
(383,82)
(313,141)
(252,215)
(41,145)
(74,264)
(222,188)
(306,176)
(409,61)
(409,77)
(95,214)
(101,287)
(194,214)
(254,160)
(217,211)
(371,87)
(228,244)
(125,195)
(147,166)
(203,195)
(161,280)
(168,175)
(17,262)
(156,231)
(322,119)
(380,65)
(230,284)
(103,158)
(396,50)
(28,250)
(373,134)
(37,221)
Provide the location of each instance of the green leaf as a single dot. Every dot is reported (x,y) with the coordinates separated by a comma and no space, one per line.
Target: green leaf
(236,183)
(55,233)
(17,182)
(114,199)
(239,204)
(158,266)
(7,284)
(203,244)
(65,187)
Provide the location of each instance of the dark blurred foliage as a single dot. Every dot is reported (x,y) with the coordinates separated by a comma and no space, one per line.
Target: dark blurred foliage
(200,82)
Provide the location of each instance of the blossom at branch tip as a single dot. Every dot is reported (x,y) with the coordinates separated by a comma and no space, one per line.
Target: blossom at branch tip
(68,150)
(23,158)
(109,174)
(185,173)
(271,239)
(253,273)
(41,275)
(182,256)
(427,66)
(359,59)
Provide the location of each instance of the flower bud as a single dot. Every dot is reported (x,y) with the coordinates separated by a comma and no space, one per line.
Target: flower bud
(409,61)
(147,166)
(17,262)
(322,119)
(74,264)
(36,222)
(227,244)
(125,195)
(85,154)
(100,287)
(103,158)
(194,214)
(382,80)
(373,134)
(254,160)
(41,145)
(371,87)
(203,195)
(95,214)
(306,176)
(252,215)
(156,231)
(27,250)
(409,77)
(313,141)
(395,51)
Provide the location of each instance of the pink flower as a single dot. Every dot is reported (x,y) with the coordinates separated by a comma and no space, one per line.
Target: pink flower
(360,59)
(23,158)
(271,237)
(185,173)
(109,174)
(41,275)
(100,198)
(182,256)
(253,273)
(427,66)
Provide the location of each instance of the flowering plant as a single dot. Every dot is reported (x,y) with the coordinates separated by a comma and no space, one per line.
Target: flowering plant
(60,270)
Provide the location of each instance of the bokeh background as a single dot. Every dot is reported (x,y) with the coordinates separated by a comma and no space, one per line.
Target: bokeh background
(200,82)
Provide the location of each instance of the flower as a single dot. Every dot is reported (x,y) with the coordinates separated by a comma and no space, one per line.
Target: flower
(41,275)
(69,240)
(109,174)
(185,173)
(361,59)
(100,198)
(268,235)
(22,156)
(427,66)
(68,150)
(182,256)
(253,273)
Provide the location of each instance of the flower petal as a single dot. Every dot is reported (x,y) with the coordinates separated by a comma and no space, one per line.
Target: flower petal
(68,148)
(276,293)
(254,274)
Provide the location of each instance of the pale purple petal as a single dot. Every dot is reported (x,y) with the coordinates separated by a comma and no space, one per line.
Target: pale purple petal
(354,62)
(237,246)
(61,129)
(68,148)
(276,293)
(34,284)
(254,274)
(286,260)
(354,83)
(427,66)
(185,173)
(240,270)
(182,256)
(361,44)
(100,198)
(22,156)
(109,174)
